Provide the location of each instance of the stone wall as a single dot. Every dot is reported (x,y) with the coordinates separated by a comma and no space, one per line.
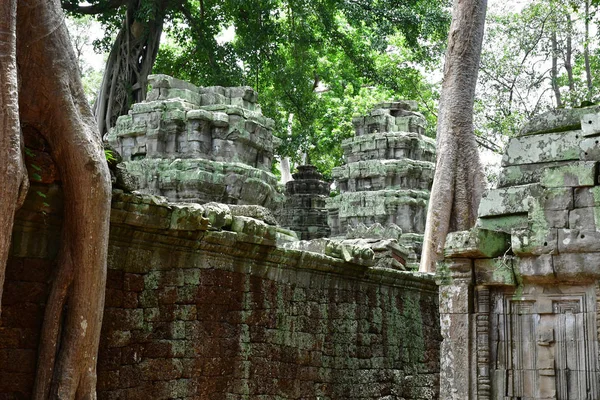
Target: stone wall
(519,292)
(202,304)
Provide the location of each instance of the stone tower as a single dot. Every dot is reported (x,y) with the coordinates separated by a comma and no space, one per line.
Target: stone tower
(519,292)
(388,175)
(199,144)
(304,209)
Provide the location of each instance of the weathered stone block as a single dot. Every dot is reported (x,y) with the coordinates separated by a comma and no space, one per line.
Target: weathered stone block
(558,120)
(590,124)
(534,269)
(527,242)
(476,243)
(581,267)
(587,218)
(511,200)
(587,197)
(504,223)
(516,175)
(581,173)
(578,240)
(495,271)
(543,148)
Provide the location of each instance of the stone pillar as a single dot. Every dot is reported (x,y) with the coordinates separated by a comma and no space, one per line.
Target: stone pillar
(456,322)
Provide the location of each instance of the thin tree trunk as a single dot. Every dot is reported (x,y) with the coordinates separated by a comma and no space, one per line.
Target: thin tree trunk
(458,178)
(51,100)
(13,176)
(569,55)
(554,71)
(586,52)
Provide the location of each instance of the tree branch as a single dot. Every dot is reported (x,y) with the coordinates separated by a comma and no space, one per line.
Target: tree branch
(93,9)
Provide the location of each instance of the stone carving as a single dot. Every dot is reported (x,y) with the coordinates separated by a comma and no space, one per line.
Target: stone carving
(304,209)
(199,144)
(387,177)
(533,261)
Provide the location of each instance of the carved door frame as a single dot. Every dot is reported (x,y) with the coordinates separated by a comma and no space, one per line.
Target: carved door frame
(537,342)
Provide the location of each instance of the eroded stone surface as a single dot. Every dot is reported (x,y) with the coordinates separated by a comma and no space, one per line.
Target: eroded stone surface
(199,144)
(534,315)
(304,208)
(388,175)
(201,303)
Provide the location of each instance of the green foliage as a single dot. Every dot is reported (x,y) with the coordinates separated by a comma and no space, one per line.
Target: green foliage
(515,79)
(319,61)
(109,156)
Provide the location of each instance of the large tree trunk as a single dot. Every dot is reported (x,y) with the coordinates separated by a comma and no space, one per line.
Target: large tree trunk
(458,179)
(51,100)
(13,177)
(129,63)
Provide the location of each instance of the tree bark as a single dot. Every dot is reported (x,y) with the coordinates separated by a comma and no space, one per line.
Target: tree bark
(51,100)
(458,178)
(13,175)
(129,63)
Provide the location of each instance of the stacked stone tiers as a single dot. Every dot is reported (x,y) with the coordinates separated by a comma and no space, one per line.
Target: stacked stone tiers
(523,284)
(201,144)
(304,209)
(388,175)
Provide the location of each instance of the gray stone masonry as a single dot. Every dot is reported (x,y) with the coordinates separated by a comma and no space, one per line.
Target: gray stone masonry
(387,178)
(199,144)
(304,209)
(519,292)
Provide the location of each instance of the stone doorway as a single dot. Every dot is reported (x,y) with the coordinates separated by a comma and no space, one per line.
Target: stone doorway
(543,344)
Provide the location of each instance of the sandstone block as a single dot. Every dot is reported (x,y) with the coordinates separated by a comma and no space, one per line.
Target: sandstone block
(542,148)
(495,271)
(578,240)
(587,218)
(476,243)
(575,174)
(528,242)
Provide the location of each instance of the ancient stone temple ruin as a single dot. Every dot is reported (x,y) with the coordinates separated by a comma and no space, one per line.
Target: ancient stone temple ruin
(202,300)
(199,144)
(304,209)
(519,292)
(388,175)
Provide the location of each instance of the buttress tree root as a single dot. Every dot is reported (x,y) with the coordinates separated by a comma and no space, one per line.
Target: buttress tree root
(47,95)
